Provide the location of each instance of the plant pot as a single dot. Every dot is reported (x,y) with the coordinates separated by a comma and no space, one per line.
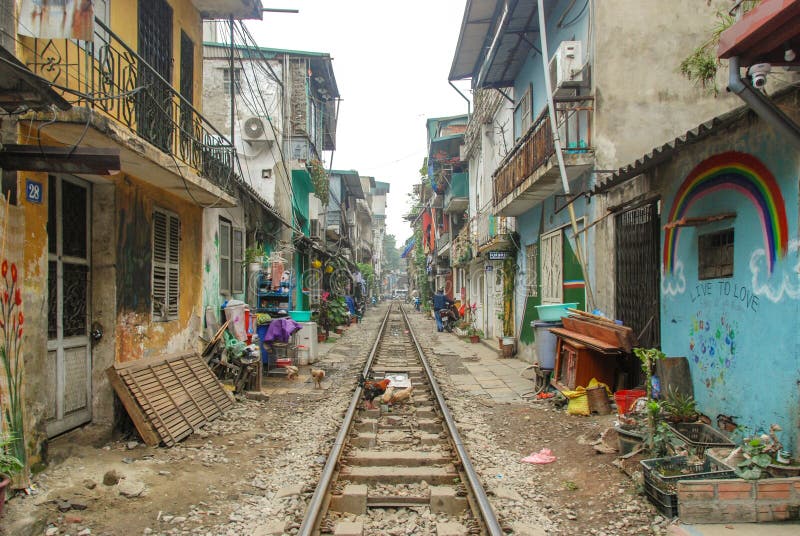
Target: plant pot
(354,320)
(339,330)
(628,440)
(500,343)
(474,338)
(321,337)
(3,486)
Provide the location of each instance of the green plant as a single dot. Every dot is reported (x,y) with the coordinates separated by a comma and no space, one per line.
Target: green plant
(663,441)
(647,359)
(702,64)
(472,331)
(755,459)
(319,180)
(680,407)
(10,465)
(253,254)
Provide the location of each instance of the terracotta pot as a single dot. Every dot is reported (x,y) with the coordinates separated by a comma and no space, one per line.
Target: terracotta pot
(354,320)
(339,331)
(474,338)
(3,486)
(321,337)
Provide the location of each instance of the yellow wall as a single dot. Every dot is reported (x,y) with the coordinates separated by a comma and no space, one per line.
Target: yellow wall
(136,335)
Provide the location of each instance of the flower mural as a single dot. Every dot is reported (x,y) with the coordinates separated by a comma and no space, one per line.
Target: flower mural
(12,321)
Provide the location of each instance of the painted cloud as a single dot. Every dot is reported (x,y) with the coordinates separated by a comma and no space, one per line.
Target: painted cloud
(674,283)
(782,282)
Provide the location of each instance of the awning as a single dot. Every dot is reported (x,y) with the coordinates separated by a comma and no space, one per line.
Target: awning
(764,34)
(446,144)
(408,249)
(80,160)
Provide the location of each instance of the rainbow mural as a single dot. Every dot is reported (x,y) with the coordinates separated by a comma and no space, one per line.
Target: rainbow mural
(738,172)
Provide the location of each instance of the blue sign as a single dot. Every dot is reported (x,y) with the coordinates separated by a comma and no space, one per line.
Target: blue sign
(498,255)
(33,191)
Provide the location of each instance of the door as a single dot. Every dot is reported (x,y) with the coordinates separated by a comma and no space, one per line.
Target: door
(637,299)
(552,269)
(69,350)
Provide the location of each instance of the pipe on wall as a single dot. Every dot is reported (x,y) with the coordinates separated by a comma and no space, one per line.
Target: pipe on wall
(761,105)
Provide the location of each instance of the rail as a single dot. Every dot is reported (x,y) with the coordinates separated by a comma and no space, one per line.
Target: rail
(311,519)
(487,512)
(534,149)
(109,76)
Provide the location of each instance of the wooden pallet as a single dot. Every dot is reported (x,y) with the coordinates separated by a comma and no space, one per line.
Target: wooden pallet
(170,397)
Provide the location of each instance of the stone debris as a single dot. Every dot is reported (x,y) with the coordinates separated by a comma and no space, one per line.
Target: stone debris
(111,478)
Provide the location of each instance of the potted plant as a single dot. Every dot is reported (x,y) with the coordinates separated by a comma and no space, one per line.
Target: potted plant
(679,407)
(474,334)
(10,465)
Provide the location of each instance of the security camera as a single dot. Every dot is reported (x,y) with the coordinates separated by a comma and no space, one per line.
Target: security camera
(758,74)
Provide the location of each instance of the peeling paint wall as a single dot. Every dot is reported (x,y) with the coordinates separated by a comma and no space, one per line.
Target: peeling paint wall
(212,296)
(137,335)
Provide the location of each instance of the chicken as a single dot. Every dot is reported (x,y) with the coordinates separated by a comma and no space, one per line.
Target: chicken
(403,396)
(387,396)
(372,389)
(318,375)
(292,372)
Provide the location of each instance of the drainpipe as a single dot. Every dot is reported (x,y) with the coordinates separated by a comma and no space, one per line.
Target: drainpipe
(487,62)
(557,143)
(761,105)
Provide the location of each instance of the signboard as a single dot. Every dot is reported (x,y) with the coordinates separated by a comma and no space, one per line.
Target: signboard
(498,255)
(33,191)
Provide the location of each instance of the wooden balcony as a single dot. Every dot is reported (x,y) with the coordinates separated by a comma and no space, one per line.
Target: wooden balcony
(529,174)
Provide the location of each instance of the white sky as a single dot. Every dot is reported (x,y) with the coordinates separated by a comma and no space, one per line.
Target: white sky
(391,61)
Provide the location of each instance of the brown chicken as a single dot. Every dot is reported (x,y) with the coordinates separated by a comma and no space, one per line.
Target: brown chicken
(372,390)
(401,397)
(318,375)
(387,396)
(292,372)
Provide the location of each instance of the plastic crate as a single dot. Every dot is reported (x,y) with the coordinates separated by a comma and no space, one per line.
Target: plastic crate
(700,436)
(663,489)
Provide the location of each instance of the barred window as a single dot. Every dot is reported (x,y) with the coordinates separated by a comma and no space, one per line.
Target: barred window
(715,254)
(532,269)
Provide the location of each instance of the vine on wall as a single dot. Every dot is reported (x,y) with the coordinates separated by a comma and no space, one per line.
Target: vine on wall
(319,180)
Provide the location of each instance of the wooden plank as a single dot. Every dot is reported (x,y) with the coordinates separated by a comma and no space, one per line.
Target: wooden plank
(596,331)
(597,344)
(142,424)
(207,391)
(173,400)
(147,402)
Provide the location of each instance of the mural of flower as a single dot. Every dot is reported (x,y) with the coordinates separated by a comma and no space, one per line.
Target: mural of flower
(11,321)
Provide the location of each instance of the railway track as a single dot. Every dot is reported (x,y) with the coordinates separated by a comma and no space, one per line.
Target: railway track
(400,458)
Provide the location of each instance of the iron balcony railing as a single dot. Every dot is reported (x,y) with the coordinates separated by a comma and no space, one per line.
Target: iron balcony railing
(108,76)
(488,227)
(534,149)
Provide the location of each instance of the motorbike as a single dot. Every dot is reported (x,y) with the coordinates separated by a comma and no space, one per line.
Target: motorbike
(449,316)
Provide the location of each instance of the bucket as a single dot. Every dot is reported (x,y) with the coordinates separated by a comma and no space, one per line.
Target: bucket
(235,312)
(626,397)
(546,343)
(262,333)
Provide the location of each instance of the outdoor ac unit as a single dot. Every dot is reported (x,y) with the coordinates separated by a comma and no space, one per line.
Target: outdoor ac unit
(257,129)
(314,229)
(566,67)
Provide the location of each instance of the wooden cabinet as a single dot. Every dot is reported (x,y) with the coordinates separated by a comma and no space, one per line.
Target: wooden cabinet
(577,364)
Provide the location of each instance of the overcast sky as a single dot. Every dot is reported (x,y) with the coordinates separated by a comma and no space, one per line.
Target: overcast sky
(391,61)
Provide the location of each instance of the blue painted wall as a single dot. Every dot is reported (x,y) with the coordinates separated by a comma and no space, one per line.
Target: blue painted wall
(532,72)
(740,333)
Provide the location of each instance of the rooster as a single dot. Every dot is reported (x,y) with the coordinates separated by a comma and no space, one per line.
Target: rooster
(372,389)
(318,375)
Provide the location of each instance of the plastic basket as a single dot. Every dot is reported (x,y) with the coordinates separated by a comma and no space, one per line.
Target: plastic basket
(700,436)
(662,488)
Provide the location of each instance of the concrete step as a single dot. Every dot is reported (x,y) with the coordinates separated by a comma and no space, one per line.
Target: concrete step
(399,475)
(404,458)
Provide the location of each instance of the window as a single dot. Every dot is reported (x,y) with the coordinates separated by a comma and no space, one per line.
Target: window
(231,253)
(532,269)
(523,112)
(237,80)
(166,265)
(715,255)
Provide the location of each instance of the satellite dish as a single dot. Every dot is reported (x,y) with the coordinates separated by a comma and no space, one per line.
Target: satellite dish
(254,128)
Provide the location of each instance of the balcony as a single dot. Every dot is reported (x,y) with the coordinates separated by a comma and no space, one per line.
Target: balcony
(443,244)
(456,197)
(529,174)
(493,231)
(127,102)
(461,252)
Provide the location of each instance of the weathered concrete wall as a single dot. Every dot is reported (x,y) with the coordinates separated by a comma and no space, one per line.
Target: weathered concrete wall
(137,335)
(213,297)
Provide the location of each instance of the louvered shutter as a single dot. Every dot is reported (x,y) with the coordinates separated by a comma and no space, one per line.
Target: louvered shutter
(224,257)
(166,265)
(237,258)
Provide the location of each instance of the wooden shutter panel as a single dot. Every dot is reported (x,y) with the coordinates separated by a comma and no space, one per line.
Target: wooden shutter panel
(237,257)
(224,256)
(160,247)
(173,288)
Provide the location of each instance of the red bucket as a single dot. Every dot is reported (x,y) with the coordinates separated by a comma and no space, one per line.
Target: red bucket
(626,397)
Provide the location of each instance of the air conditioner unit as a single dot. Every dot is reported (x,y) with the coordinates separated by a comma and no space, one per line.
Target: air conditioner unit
(314,230)
(566,67)
(257,129)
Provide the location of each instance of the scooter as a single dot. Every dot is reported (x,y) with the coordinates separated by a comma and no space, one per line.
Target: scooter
(449,316)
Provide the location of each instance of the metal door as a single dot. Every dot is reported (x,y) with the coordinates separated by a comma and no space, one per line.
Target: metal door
(69,351)
(636,248)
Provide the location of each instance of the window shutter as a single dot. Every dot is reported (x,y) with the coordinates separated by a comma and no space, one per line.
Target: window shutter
(173,289)
(237,258)
(224,257)
(159,286)
(166,265)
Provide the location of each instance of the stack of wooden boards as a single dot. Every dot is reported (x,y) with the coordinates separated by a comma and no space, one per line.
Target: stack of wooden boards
(170,397)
